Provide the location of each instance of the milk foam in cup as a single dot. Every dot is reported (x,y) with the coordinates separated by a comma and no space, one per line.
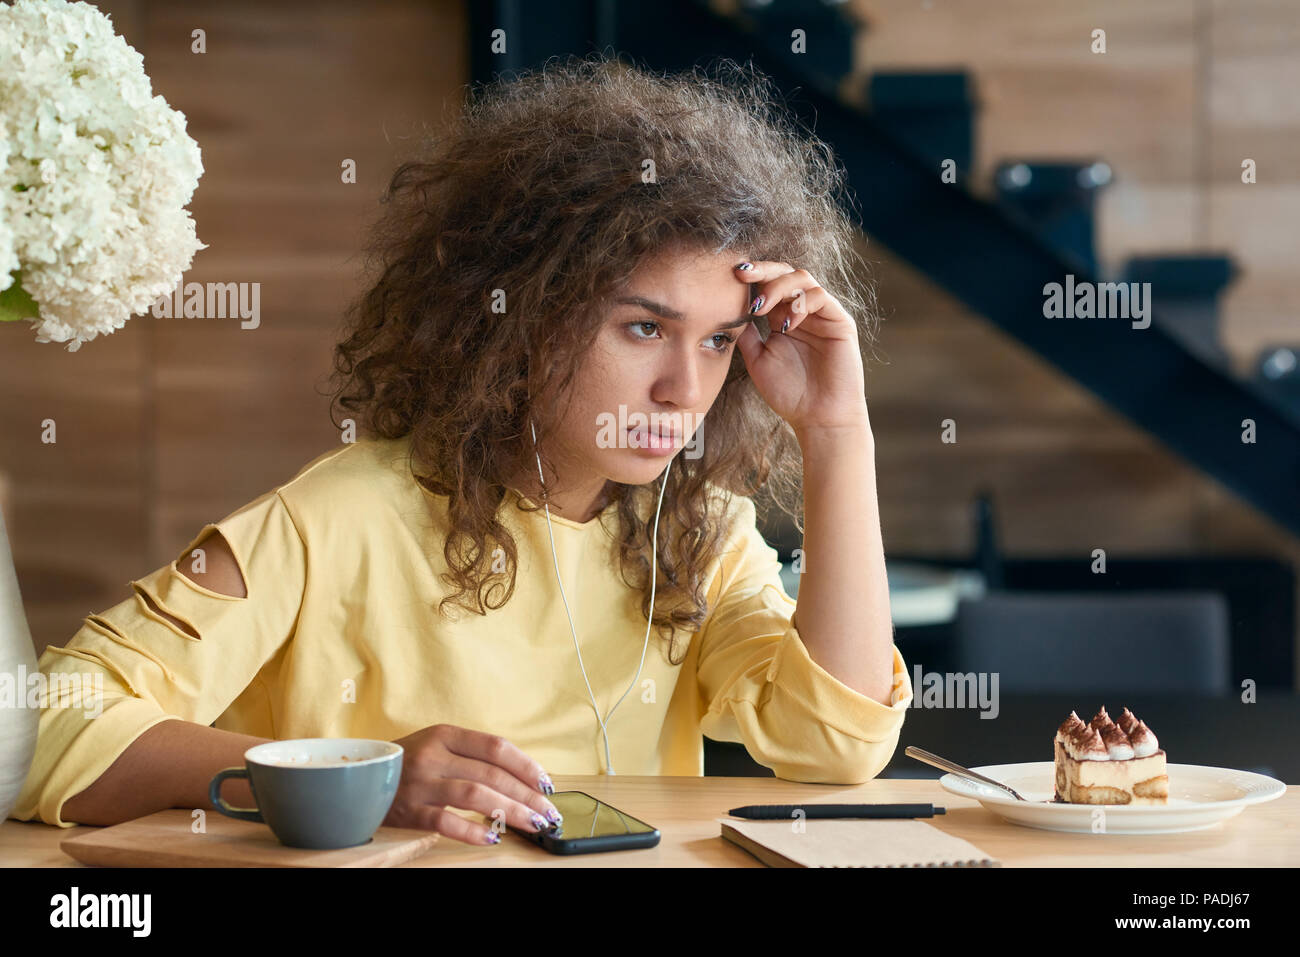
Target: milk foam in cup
(318,793)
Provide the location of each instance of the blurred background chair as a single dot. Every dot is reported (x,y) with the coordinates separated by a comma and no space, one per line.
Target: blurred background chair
(1058,642)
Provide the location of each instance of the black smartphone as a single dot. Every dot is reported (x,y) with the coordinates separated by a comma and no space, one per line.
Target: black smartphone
(590,826)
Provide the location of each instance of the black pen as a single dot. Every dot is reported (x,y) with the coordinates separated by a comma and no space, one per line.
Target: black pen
(773,812)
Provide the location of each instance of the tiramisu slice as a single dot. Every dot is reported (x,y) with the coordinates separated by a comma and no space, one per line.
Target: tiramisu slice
(1109,762)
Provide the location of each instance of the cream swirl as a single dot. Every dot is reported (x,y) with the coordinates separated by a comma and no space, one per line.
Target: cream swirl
(1117,743)
(1101,721)
(1086,745)
(1127,721)
(1071,725)
(1143,741)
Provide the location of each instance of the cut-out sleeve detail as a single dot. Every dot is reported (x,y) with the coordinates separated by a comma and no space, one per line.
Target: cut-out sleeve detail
(207,533)
(110,631)
(151,670)
(760,687)
(152,607)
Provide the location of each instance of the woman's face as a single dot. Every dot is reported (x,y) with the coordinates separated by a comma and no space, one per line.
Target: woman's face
(655,368)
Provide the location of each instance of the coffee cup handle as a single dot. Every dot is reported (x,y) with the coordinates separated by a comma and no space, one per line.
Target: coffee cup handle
(214,795)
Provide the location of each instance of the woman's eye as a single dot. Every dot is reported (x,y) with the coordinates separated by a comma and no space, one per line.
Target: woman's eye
(718,347)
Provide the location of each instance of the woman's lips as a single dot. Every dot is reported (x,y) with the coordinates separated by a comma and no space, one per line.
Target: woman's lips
(645,438)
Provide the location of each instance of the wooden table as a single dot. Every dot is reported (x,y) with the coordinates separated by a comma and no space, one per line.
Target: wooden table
(684,810)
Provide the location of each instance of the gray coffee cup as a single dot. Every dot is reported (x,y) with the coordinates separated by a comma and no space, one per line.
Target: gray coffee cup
(317,793)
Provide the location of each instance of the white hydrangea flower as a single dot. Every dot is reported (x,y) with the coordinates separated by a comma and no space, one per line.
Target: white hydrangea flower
(95,173)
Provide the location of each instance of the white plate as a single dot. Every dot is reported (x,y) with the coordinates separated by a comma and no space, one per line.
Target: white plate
(1199,797)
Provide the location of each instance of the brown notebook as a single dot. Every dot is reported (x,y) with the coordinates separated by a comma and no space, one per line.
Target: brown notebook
(853,843)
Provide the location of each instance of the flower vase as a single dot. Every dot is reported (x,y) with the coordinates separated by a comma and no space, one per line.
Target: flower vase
(18,723)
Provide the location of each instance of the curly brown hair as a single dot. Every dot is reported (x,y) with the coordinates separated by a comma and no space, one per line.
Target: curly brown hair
(538,187)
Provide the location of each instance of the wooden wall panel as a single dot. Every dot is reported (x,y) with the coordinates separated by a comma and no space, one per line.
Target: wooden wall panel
(1184,92)
(171,423)
(288,92)
(1141,219)
(1253,73)
(1095,111)
(1149,36)
(77,514)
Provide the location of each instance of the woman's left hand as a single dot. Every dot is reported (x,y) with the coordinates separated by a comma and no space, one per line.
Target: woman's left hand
(811,374)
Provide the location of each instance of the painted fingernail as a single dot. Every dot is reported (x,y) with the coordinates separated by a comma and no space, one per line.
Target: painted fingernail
(539,822)
(493,837)
(756,305)
(555,816)
(744,267)
(785,325)
(544,784)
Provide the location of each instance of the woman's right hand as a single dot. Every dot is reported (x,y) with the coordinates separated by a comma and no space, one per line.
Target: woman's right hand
(444,766)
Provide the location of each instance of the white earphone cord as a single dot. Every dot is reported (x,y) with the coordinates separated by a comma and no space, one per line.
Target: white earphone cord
(609,764)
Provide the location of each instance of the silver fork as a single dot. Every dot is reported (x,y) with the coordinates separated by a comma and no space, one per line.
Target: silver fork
(945,765)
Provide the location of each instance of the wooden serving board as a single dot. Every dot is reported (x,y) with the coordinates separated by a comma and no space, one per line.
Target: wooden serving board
(165,839)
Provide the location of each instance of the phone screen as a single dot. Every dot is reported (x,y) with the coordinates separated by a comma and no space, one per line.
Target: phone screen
(585,816)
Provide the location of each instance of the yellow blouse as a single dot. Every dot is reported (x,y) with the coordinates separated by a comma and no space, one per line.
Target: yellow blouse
(339,636)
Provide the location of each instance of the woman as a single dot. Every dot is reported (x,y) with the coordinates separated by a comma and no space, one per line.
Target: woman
(567,309)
